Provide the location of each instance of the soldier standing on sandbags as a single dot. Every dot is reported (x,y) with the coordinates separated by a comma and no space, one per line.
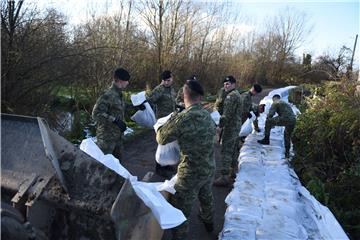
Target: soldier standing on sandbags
(108,113)
(194,129)
(229,127)
(247,103)
(286,117)
(163,96)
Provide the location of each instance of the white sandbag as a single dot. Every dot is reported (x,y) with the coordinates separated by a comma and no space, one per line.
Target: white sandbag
(247,128)
(168,154)
(215,117)
(145,118)
(161,121)
(138,98)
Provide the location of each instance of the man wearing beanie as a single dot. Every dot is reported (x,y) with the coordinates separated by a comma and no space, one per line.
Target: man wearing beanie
(247,103)
(229,126)
(108,114)
(194,129)
(163,96)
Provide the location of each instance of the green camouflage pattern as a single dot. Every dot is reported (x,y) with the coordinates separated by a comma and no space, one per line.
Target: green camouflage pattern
(180,97)
(286,118)
(247,105)
(230,122)
(107,108)
(194,129)
(163,98)
(220,98)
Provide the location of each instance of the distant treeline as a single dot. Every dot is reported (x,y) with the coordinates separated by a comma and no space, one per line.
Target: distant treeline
(41,53)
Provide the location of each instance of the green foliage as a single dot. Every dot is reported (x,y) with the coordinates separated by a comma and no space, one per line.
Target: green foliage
(327,145)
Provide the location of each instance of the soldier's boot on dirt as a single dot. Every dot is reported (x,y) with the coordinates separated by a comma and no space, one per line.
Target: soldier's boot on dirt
(222,181)
(264,141)
(209,226)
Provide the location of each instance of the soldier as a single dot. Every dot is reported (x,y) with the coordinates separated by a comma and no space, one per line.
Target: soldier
(286,118)
(229,126)
(108,113)
(247,103)
(180,96)
(220,98)
(195,131)
(163,96)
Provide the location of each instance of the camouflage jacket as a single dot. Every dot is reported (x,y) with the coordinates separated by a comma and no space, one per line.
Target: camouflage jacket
(180,97)
(220,98)
(246,105)
(163,98)
(283,109)
(231,117)
(194,129)
(109,106)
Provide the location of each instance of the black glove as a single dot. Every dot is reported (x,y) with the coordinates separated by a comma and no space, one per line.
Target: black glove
(141,106)
(249,115)
(120,123)
(179,108)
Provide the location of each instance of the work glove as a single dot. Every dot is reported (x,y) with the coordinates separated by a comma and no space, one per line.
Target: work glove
(120,123)
(249,115)
(179,108)
(141,106)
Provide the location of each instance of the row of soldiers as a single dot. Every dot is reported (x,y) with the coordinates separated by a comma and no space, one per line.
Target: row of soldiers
(192,126)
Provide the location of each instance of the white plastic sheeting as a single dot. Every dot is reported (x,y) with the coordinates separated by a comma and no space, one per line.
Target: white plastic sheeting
(166,215)
(268,200)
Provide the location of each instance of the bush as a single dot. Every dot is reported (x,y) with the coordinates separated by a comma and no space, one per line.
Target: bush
(327,144)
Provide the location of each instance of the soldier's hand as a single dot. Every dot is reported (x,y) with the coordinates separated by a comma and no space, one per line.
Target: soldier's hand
(249,115)
(142,106)
(120,123)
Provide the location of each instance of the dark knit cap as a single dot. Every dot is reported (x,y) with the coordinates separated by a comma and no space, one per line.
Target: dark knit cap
(230,79)
(166,75)
(122,74)
(195,86)
(257,88)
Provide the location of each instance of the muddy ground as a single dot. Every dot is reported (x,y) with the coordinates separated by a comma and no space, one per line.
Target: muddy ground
(139,158)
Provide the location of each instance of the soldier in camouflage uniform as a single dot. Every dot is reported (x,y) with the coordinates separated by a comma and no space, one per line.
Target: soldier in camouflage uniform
(220,98)
(247,103)
(180,96)
(163,96)
(286,118)
(229,125)
(108,113)
(194,129)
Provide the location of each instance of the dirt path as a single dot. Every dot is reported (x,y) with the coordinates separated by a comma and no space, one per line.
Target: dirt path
(139,158)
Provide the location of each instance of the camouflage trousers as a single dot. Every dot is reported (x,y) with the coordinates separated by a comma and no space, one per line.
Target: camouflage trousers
(111,146)
(189,188)
(229,150)
(289,125)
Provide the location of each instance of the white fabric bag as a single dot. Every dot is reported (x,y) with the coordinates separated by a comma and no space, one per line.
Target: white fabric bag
(138,98)
(215,117)
(145,118)
(247,128)
(168,154)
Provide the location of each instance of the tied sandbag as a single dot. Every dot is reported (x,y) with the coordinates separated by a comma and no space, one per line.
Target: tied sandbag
(247,128)
(168,154)
(146,117)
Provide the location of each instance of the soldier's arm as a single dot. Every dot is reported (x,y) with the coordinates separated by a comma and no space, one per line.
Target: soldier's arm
(154,95)
(170,131)
(101,108)
(180,97)
(272,111)
(219,99)
(229,107)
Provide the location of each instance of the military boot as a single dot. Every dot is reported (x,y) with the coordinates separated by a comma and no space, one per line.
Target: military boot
(264,141)
(222,181)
